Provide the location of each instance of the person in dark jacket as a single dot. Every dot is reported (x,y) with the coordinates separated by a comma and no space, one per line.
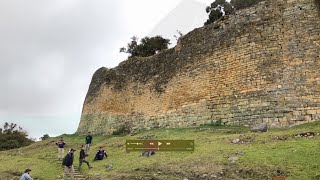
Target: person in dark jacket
(100,154)
(88,142)
(60,145)
(68,164)
(82,158)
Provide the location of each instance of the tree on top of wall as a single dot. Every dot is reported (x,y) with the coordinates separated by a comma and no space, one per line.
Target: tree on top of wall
(219,8)
(148,46)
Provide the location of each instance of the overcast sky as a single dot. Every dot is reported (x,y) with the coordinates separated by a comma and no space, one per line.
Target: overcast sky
(50,49)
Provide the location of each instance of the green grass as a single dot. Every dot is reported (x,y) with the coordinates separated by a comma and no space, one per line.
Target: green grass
(263,158)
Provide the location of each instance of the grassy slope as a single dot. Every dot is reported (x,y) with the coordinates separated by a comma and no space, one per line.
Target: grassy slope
(297,158)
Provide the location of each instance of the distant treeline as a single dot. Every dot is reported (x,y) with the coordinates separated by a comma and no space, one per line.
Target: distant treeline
(13,136)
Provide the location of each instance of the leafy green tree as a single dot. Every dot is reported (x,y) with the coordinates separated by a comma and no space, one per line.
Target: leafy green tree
(13,136)
(217,9)
(44,137)
(241,4)
(147,46)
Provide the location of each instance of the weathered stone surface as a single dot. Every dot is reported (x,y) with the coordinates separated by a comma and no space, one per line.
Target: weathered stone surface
(259,65)
(260,128)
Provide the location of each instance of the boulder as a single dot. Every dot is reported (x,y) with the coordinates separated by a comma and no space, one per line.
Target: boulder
(260,128)
(236,141)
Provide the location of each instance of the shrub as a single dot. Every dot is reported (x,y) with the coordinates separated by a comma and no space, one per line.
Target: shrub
(44,137)
(217,9)
(13,136)
(147,46)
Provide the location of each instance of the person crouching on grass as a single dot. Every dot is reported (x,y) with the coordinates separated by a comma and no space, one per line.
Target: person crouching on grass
(82,158)
(100,154)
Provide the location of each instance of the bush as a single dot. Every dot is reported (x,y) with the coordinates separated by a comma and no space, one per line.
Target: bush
(13,136)
(44,137)
(217,9)
(147,46)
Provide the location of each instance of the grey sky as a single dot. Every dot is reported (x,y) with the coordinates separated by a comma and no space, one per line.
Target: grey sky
(50,49)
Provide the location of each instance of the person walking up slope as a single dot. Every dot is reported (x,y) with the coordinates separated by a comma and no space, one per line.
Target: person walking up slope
(82,158)
(88,142)
(68,164)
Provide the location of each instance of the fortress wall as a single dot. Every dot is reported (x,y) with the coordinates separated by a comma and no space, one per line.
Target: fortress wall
(259,65)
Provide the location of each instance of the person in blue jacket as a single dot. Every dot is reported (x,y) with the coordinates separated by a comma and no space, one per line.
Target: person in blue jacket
(26,175)
(100,154)
(60,145)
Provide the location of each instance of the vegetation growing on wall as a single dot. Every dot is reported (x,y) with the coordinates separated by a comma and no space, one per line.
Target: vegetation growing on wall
(148,46)
(219,8)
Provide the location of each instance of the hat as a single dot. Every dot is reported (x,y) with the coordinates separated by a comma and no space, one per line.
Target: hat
(27,170)
(72,149)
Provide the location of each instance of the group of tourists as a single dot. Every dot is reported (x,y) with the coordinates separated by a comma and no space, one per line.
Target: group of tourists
(84,152)
(67,161)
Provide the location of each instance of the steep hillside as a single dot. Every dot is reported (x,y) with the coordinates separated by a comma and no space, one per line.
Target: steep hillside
(254,156)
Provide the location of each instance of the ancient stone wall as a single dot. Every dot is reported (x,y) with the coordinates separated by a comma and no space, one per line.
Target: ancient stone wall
(259,65)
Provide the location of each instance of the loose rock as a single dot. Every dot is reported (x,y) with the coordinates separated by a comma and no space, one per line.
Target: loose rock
(306,134)
(260,128)
(233,159)
(239,153)
(236,141)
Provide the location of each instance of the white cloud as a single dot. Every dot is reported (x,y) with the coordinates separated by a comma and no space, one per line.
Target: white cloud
(50,49)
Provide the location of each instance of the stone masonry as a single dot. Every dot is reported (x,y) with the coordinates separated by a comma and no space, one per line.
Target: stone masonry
(258,65)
